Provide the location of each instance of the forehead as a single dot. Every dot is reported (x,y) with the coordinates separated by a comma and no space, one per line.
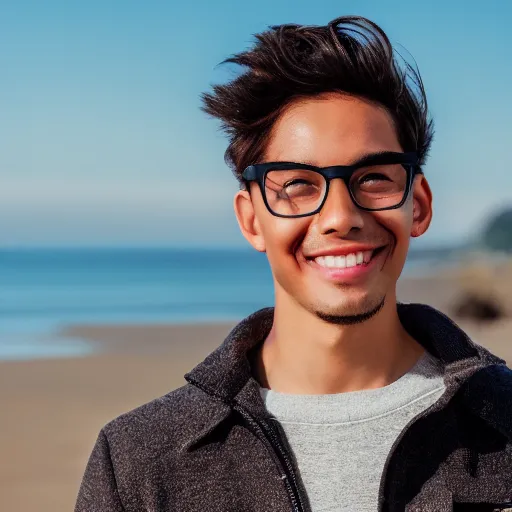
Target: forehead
(331,129)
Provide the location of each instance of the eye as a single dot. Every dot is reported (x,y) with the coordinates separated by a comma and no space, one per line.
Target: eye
(291,183)
(373,177)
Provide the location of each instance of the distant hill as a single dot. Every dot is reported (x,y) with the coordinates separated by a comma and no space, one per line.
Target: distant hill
(497,235)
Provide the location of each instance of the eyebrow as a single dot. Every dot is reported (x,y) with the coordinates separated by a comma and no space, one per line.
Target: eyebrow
(365,159)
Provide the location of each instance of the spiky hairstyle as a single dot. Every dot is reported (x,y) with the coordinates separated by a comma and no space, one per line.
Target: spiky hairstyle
(351,55)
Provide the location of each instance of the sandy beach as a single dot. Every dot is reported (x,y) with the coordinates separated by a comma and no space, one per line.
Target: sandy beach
(52,410)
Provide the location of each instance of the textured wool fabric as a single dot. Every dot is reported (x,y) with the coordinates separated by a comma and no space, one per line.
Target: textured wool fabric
(341,441)
(193,450)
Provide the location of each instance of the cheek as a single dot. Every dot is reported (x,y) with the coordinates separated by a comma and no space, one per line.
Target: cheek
(282,236)
(285,235)
(399,224)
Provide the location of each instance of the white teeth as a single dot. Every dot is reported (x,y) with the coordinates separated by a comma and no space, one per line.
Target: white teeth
(351,260)
(340,261)
(347,261)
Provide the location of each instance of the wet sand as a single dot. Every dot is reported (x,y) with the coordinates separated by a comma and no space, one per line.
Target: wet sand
(52,410)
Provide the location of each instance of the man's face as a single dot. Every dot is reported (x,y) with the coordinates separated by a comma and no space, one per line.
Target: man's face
(334,130)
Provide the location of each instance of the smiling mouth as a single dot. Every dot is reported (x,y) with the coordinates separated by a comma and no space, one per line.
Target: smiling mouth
(355,259)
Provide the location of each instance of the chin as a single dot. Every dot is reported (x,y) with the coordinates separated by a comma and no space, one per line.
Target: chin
(349,311)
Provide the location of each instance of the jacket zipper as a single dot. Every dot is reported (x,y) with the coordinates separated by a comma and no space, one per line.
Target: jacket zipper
(267,434)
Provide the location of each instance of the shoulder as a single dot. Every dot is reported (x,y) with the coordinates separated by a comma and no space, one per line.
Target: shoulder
(169,407)
(488,394)
(165,424)
(135,449)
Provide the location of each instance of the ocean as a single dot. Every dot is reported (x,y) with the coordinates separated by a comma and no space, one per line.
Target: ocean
(43,290)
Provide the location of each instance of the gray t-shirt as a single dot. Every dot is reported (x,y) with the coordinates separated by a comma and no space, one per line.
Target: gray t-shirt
(341,441)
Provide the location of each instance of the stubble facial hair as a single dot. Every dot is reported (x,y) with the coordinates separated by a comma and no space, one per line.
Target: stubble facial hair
(351,319)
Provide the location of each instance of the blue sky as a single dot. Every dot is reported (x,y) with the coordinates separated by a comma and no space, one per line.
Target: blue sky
(102,141)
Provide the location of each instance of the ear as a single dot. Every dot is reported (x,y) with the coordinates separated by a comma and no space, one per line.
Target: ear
(422,206)
(248,220)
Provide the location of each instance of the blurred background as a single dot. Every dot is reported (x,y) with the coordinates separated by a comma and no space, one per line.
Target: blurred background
(121,263)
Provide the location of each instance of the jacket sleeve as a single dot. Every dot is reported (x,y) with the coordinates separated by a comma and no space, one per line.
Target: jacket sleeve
(98,491)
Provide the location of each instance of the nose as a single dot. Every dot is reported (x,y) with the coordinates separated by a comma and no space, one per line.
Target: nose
(339,213)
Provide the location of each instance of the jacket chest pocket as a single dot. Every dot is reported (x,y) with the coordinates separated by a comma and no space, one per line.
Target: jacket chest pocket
(482,507)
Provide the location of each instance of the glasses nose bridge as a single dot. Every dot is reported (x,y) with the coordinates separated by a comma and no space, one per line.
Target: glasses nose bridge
(338,172)
(338,196)
(339,212)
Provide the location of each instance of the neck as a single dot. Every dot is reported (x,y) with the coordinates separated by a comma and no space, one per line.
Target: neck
(305,355)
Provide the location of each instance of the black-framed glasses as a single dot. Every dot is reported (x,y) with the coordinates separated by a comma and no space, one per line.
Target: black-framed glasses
(380,181)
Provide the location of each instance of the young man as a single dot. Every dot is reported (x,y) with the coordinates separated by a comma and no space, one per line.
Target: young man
(338,398)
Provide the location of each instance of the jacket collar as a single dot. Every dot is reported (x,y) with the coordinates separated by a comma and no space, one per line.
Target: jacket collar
(226,374)
(226,371)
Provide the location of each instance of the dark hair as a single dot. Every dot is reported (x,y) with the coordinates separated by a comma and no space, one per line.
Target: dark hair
(350,54)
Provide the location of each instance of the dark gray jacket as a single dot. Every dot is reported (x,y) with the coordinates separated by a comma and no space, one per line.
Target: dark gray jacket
(209,445)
